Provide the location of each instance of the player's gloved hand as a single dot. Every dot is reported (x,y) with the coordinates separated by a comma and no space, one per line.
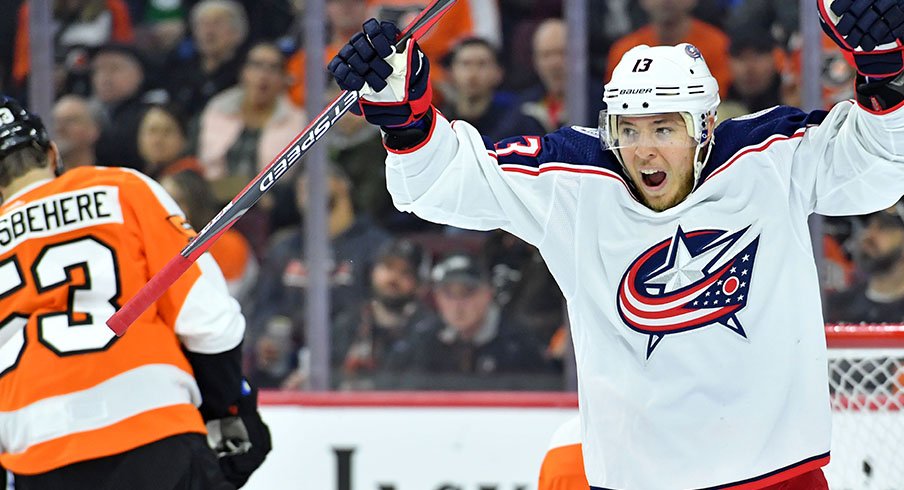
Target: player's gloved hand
(394,86)
(241,441)
(869,31)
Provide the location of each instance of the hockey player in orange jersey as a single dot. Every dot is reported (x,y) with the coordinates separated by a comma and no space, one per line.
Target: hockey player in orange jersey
(79,407)
(563,464)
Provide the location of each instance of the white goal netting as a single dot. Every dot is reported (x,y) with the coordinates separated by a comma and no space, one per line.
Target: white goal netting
(866,381)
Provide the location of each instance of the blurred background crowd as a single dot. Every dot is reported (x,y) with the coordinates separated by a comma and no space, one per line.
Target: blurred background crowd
(201,95)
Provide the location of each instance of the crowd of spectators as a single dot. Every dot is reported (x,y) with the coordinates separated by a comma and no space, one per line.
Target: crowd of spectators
(201,94)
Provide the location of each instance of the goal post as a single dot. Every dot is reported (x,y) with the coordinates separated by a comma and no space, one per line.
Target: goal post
(866,384)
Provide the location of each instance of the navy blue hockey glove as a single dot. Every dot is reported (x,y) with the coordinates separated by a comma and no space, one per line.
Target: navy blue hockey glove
(241,441)
(394,86)
(870,32)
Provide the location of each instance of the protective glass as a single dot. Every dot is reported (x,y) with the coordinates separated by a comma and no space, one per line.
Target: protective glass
(889,219)
(645,131)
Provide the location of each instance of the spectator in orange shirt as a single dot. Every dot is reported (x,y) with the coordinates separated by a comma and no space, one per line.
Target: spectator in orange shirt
(76,26)
(466,18)
(344,19)
(231,251)
(671,23)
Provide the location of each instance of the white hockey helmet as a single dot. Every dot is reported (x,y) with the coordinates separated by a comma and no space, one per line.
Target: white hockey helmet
(661,80)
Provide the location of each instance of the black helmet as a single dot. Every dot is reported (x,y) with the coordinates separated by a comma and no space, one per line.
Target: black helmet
(19,128)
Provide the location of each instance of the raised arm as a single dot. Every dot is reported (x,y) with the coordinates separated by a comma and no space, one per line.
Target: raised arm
(853,162)
(446,171)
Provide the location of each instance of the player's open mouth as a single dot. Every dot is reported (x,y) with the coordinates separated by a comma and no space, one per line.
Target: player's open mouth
(653,179)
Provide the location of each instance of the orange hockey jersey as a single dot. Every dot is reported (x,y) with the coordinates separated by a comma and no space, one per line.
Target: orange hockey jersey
(563,465)
(72,250)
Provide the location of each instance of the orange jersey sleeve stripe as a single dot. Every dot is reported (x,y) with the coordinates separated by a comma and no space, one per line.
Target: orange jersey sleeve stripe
(123,436)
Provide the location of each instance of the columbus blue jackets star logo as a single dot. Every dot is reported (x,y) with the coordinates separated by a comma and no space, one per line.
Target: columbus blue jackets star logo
(690,281)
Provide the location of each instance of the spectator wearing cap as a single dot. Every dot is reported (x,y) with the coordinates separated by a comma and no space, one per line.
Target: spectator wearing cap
(273,359)
(475,75)
(210,61)
(879,297)
(370,342)
(354,242)
(77,129)
(118,83)
(472,339)
(756,82)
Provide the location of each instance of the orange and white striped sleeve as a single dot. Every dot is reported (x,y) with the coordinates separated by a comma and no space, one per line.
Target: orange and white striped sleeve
(198,306)
(563,465)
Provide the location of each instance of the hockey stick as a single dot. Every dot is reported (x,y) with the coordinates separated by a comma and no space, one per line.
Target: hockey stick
(241,203)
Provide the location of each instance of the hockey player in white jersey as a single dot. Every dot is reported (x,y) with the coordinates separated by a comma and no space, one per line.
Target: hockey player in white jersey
(683,250)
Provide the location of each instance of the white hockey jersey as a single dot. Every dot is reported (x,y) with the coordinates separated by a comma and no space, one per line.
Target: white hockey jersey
(698,330)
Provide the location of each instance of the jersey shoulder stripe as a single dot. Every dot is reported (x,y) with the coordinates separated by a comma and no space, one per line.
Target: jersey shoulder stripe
(570,149)
(752,130)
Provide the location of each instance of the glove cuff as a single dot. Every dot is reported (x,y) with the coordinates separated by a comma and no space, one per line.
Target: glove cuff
(406,138)
(878,64)
(880,96)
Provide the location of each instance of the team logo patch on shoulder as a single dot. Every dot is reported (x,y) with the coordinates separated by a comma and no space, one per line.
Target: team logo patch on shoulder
(689,281)
(692,51)
(181,224)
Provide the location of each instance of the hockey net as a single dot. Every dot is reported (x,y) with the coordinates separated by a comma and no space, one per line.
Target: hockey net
(866,382)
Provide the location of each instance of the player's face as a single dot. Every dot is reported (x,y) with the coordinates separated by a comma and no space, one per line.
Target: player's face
(658,155)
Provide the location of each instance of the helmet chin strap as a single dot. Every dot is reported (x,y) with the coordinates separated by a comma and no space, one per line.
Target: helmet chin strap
(699,163)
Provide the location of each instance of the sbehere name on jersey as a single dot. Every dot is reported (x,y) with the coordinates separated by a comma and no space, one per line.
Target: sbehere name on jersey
(60,213)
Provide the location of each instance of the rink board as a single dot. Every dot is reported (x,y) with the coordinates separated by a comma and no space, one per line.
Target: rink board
(469,441)
(412,444)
